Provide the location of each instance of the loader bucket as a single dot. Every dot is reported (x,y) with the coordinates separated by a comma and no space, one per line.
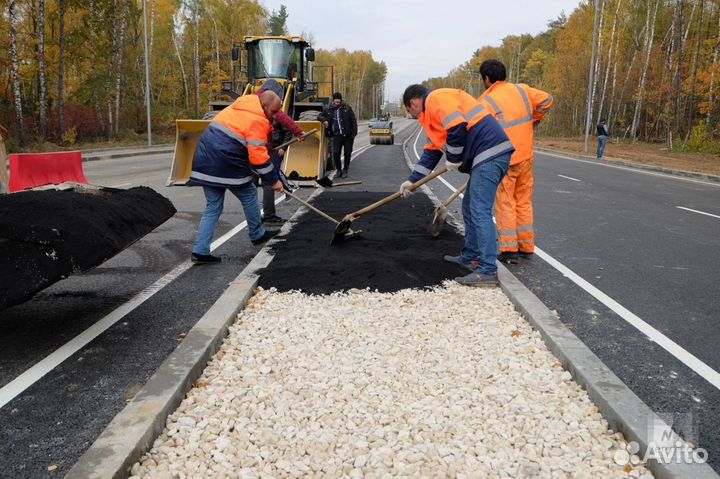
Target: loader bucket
(188,133)
(305,162)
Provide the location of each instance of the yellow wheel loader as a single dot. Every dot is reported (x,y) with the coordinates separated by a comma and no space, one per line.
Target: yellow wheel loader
(306,91)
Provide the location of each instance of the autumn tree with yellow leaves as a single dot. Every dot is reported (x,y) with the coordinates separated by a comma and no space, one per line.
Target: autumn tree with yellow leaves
(73,71)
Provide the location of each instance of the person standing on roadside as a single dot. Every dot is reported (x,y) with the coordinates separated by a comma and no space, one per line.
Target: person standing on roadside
(518,108)
(340,119)
(603,132)
(230,149)
(284,128)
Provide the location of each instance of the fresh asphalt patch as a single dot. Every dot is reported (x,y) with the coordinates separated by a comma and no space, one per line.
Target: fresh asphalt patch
(394,251)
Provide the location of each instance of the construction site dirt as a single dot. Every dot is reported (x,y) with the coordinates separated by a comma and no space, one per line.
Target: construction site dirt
(394,251)
(71,231)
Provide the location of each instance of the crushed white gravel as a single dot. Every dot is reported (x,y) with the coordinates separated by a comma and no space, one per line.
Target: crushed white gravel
(449,382)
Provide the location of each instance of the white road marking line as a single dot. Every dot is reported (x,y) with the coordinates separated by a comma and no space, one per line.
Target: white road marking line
(33,374)
(568,177)
(684,356)
(698,211)
(120,185)
(687,358)
(632,170)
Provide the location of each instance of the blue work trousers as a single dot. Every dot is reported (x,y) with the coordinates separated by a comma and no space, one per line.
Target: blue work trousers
(215,199)
(480,232)
(602,140)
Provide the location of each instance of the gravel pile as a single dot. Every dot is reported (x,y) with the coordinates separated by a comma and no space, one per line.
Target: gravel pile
(449,382)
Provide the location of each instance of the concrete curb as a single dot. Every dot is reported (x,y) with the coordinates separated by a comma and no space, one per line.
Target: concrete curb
(624,411)
(630,164)
(132,432)
(111,154)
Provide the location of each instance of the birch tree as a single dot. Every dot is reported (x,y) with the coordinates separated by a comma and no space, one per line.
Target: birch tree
(16,71)
(42,83)
(650,28)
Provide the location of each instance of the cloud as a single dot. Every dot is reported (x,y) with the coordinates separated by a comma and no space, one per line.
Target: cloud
(418,39)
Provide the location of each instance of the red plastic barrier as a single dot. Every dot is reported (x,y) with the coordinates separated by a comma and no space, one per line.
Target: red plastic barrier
(28,170)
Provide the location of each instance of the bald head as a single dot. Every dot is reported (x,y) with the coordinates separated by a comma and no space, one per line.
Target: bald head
(270,103)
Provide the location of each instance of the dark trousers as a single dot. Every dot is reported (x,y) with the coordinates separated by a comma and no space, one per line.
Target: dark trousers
(339,142)
(268,201)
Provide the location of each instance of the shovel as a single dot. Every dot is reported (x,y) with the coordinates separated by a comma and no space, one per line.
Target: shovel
(441,213)
(344,226)
(349,234)
(290,142)
(326,182)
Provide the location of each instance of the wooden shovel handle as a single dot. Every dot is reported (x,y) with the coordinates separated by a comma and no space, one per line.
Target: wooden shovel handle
(321,213)
(290,142)
(457,193)
(396,195)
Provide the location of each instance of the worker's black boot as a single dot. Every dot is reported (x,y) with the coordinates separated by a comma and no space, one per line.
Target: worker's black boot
(268,235)
(509,257)
(204,258)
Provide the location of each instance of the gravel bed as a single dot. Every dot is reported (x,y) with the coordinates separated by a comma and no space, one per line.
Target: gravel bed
(443,382)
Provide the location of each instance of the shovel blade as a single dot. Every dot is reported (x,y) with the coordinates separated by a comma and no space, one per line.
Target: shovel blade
(438,221)
(341,231)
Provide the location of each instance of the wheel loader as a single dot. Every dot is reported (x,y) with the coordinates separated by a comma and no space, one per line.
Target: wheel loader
(306,90)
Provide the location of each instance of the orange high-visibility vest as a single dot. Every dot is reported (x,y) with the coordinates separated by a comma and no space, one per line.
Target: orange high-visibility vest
(517,107)
(245,121)
(446,108)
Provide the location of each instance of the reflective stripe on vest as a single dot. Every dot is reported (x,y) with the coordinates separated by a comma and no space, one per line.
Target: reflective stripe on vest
(450,118)
(490,152)
(501,117)
(217,179)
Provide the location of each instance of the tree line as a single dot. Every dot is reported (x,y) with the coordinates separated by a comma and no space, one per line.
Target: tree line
(656,70)
(73,70)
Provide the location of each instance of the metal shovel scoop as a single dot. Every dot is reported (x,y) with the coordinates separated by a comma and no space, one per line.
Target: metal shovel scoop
(349,234)
(441,213)
(344,226)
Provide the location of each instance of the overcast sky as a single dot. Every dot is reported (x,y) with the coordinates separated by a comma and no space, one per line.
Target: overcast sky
(417,39)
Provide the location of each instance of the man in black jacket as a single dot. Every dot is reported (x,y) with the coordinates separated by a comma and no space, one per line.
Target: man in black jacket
(339,118)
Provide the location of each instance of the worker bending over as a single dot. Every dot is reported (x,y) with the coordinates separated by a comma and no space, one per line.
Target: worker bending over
(518,108)
(473,142)
(234,144)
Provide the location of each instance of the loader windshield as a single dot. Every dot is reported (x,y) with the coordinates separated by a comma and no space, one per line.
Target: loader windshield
(275,58)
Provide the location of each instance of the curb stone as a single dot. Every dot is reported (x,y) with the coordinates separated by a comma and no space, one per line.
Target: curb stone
(134,429)
(630,164)
(624,411)
(115,153)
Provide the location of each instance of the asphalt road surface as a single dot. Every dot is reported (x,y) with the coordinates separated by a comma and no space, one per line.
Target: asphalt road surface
(622,246)
(142,302)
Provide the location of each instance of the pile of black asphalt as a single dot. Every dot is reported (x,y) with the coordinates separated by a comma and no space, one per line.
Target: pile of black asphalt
(47,235)
(394,252)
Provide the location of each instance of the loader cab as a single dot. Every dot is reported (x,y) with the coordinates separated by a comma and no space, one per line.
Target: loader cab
(280,58)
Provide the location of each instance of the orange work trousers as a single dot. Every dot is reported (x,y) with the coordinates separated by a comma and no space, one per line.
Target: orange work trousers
(514,211)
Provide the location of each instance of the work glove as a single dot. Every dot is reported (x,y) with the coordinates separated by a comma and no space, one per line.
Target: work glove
(452,166)
(405,192)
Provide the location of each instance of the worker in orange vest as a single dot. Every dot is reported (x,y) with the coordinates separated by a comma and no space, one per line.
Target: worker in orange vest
(230,149)
(459,127)
(518,108)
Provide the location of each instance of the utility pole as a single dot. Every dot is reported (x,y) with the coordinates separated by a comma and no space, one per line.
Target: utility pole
(147,78)
(588,115)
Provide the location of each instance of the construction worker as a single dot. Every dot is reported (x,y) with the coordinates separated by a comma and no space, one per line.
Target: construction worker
(233,145)
(473,142)
(518,108)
